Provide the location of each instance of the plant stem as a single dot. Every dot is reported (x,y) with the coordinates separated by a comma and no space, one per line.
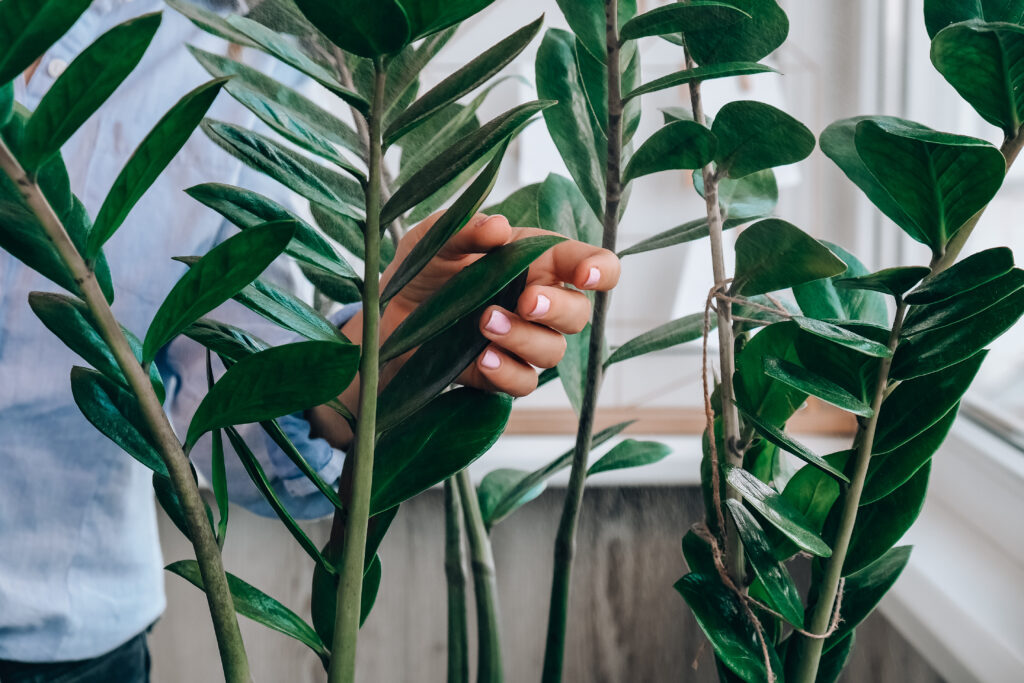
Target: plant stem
(218,595)
(455,572)
(350,585)
(726,343)
(565,542)
(810,648)
(485,587)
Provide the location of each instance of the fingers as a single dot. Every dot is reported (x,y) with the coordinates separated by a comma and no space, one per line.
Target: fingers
(480,235)
(561,309)
(497,370)
(535,344)
(582,265)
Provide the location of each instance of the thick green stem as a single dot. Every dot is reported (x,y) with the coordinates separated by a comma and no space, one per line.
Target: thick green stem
(485,586)
(811,648)
(726,342)
(350,585)
(218,595)
(455,572)
(565,542)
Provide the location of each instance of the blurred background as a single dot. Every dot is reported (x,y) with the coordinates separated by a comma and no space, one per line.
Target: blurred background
(957,613)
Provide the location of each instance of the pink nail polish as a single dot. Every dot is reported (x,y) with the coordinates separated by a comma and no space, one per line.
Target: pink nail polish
(593,278)
(490,360)
(542,307)
(498,323)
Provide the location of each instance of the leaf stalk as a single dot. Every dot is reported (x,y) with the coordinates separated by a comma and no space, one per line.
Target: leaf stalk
(455,573)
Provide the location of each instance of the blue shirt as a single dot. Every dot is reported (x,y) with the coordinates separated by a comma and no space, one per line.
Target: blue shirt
(80,562)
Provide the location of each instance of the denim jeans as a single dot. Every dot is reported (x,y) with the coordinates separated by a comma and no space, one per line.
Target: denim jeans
(128,663)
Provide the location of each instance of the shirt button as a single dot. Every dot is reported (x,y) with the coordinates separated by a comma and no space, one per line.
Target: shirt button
(56,67)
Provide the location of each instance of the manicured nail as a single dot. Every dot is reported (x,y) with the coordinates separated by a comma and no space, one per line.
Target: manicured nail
(490,360)
(498,323)
(542,307)
(593,278)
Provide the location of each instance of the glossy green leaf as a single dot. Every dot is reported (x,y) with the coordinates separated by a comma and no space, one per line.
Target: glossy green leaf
(463,81)
(214,279)
(6,103)
(767,398)
(850,369)
(787,443)
(917,404)
(371,587)
(865,588)
(812,492)
(698,74)
(679,145)
(348,232)
(698,555)
(889,471)
(748,40)
(278,381)
(777,511)
(520,208)
(814,384)
(572,369)
(149,160)
(339,289)
(940,13)
(210,22)
(676,18)
(464,292)
(586,18)
(219,481)
(277,435)
(225,340)
(457,158)
(824,300)
(116,413)
(438,132)
(368,28)
(428,16)
(724,621)
(568,122)
(843,337)
(672,333)
(403,73)
(630,453)
(253,603)
(498,484)
(295,171)
(29,27)
(963,276)
(926,174)
(883,523)
(86,84)
(892,281)
(69,318)
(442,438)
(753,136)
(966,306)
(773,254)
(562,208)
(776,580)
(687,232)
(834,661)
(168,499)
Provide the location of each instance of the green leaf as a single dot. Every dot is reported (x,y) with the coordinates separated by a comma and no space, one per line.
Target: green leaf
(889,471)
(445,227)
(865,588)
(753,136)
(225,340)
(938,180)
(750,197)
(86,84)
(961,277)
(293,170)
(679,145)
(814,384)
(824,300)
(69,318)
(520,208)
(850,369)
(687,232)
(776,436)
(562,208)
(773,254)
(348,232)
(464,292)
(371,586)
(586,18)
(672,333)
(444,437)
(630,453)
(694,16)
(288,311)
(834,660)
(6,103)
(330,285)
(966,306)
(917,404)
(776,580)
(777,511)
(724,621)
(569,121)
(572,369)
(368,28)
(698,74)
(252,603)
(168,499)
(457,158)
(403,73)
(883,523)
(29,27)
(892,281)
(500,483)
(149,160)
(219,480)
(440,131)
(812,492)
(429,16)
(749,40)
(210,22)
(278,381)
(767,398)
(843,337)
(463,81)
(940,13)
(214,279)
(698,555)
(985,64)
(116,413)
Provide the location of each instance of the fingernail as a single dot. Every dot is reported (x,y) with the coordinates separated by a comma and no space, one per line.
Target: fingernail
(498,323)
(490,360)
(593,278)
(542,307)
